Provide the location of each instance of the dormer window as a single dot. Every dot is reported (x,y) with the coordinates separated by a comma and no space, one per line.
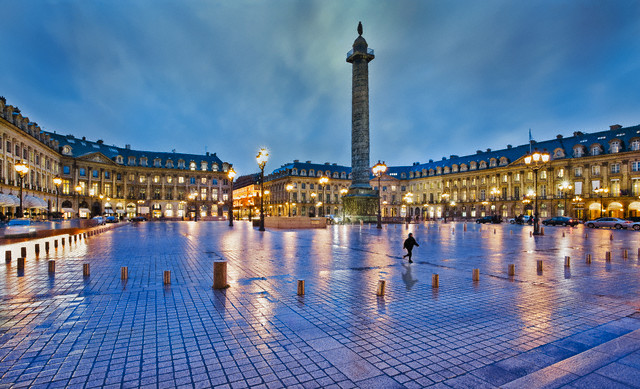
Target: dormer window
(615,146)
(303,172)
(558,153)
(446,169)
(343,175)
(131,161)
(181,164)
(473,165)
(119,159)
(312,172)
(215,167)
(493,162)
(483,164)
(192,165)
(203,166)
(504,161)
(463,167)
(403,175)
(143,161)
(595,150)
(454,168)
(66,150)
(439,170)
(294,172)
(169,163)
(635,145)
(157,162)
(578,152)
(335,174)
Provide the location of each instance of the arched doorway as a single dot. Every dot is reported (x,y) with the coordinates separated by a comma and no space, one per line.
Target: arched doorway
(595,211)
(634,209)
(96,209)
(131,210)
(615,209)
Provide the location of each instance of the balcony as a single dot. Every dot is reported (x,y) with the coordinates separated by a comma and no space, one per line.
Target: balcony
(369,51)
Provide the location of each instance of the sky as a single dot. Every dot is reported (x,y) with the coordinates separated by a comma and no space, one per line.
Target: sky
(449,77)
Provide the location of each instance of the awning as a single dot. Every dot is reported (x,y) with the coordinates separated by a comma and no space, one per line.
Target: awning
(68,210)
(120,211)
(9,200)
(87,210)
(34,202)
(108,210)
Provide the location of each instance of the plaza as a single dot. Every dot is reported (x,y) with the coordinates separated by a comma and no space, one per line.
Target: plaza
(564,326)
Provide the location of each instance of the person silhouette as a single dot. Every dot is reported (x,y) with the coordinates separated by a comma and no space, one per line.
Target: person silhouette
(408,244)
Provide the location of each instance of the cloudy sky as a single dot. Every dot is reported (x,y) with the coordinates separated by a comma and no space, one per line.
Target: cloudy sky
(449,77)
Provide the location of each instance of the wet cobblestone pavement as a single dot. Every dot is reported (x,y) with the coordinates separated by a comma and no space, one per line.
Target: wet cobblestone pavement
(574,326)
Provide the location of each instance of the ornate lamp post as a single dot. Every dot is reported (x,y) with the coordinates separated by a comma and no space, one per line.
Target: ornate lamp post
(576,200)
(232,175)
(323,182)
(22,169)
(535,162)
(494,193)
(378,170)
(194,197)
(565,187)
(313,200)
(78,189)
(601,192)
(445,199)
(408,198)
(57,181)
(453,213)
(262,158)
(289,189)
(343,192)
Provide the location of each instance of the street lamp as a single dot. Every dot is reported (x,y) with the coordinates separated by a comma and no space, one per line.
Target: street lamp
(343,192)
(408,198)
(323,182)
(601,192)
(232,175)
(289,189)
(78,189)
(535,162)
(22,169)
(453,212)
(262,158)
(194,197)
(313,200)
(494,193)
(576,200)
(378,170)
(57,181)
(565,187)
(445,199)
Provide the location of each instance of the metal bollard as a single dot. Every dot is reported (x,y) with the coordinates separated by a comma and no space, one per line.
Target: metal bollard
(69,240)
(37,249)
(21,264)
(607,256)
(55,244)
(475,275)
(530,234)
(166,278)
(510,232)
(625,254)
(300,287)
(541,230)
(588,258)
(381,287)
(435,281)
(611,237)
(63,240)
(464,229)
(220,275)
(23,252)
(512,269)
(84,235)
(46,247)
(567,261)
(7,256)
(52,266)
(563,234)
(586,235)
(124,273)
(75,238)
(86,272)
(539,265)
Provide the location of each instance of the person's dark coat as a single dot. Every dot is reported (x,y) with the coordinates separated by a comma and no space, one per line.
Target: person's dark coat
(409,243)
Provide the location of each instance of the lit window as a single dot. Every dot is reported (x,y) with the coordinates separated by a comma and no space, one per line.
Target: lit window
(615,168)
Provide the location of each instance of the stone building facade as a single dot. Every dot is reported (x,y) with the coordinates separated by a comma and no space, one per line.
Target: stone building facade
(110,179)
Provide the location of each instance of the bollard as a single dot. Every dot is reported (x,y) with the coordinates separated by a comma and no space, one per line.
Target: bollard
(540,265)
(75,238)
(541,230)
(7,256)
(512,269)
(494,231)
(435,281)
(220,275)
(166,277)
(530,234)
(638,253)
(381,286)
(55,244)
(611,237)
(46,247)
(52,266)
(625,254)
(21,264)
(23,252)
(63,240)
(475,275)
(510,232)
(464,229)
(586,235)
(588,258)
(563,234)
(607,256)
(567,261)
(86,272)
(124,273)
(300,287)
(37,249)
(84,235)
(69,240)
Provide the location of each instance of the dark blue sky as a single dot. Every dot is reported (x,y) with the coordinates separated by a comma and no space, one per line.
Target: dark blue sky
(232,76)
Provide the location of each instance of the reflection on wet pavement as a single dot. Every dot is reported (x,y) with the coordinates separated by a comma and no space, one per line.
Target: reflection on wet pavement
(65,329)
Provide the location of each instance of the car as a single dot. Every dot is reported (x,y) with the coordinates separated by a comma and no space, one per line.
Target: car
(488,219)
(611,222)
(20,227)
(635,226)
(561,221)
(111,219)
(99,220)
(526,219)
(139,219)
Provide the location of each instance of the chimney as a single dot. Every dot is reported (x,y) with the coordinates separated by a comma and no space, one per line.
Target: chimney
(128,147)
(509,146)
(615,127)
(308,162)
(453,156)
(84,138)
(478,151)
(327,163)
(577,133)
(431,161)
(296,161)
(559,136)
(100,141)
(488,150)
(207,153)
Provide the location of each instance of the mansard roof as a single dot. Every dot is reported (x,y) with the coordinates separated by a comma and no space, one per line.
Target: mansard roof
(83,147)
(308,165)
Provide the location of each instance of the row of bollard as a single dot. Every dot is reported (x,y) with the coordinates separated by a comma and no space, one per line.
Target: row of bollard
(219,275)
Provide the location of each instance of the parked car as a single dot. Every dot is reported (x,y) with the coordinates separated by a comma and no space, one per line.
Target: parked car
(525,219)
(111,219)
(489,219)
(611,222)
(139,219)
(635,226)
(561,221)
(20,227)
(99,219)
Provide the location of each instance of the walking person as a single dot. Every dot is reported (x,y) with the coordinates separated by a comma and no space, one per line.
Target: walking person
(408,244)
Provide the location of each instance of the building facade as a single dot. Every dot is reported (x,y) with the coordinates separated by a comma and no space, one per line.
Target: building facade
(101,179)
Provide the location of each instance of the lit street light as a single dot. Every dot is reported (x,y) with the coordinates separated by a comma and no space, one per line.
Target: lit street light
(601,192)
(57,181)
(323,182)
(535,162)
(262,158)
(378,170)
(78,189)
(22,169)
(445,199)
(232,175)
(565,187)
(343,192)
(289,189)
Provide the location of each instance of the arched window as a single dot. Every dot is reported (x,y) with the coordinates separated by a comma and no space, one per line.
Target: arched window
(493,162)
(463,167)
(578,151)
(483,164)
(615,146)
(596,149)
(303,172)
(635,145)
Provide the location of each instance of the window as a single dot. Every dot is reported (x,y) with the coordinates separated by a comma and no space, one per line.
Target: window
(132,177)
(95,173)
(107,175)
(82,172)
(66,170)
(595,150)
(169,179)
(505,178)
(577,171)
(203,180)
(180,180)
(635,186)
(192,180)
(578,152)
(635,166)
(119,176)
(615,147)
(560,173)
(131,161)
(635,145)
(156,179)
(157,162)
(595,170)
(530,176)
(615,188)
(482,194)
(143,161)
(143,179)
(615,168)
(543,174)
(303,186)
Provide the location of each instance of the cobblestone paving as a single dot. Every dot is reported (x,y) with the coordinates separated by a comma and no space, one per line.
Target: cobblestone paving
(533,329)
